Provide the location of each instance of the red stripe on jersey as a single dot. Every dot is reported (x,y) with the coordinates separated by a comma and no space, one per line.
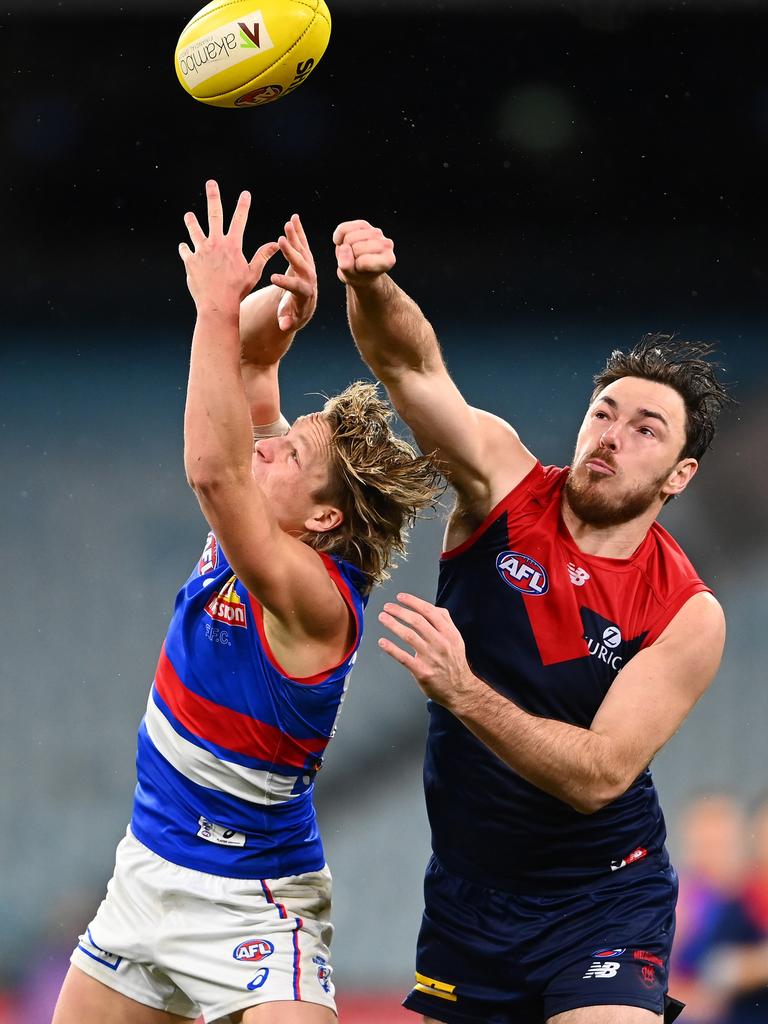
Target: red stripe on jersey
(230,729)
(318,677)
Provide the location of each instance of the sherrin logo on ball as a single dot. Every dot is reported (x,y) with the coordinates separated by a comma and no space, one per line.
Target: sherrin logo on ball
(245,53)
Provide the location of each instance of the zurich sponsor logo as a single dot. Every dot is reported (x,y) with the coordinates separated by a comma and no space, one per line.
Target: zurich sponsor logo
(253,950)
(612,637)
(608,952)
(523,573)
(604,648)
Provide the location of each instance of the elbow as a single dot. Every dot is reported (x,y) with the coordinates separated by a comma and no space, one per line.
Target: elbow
(208,478)
(591,799)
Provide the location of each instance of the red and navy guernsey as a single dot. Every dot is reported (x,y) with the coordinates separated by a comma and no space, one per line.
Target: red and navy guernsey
(230,745)
(550,627)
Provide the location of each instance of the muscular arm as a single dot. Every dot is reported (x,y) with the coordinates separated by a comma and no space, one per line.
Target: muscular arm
(480,454)
(585,768)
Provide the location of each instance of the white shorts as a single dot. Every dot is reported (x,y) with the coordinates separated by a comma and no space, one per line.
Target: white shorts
(189,943)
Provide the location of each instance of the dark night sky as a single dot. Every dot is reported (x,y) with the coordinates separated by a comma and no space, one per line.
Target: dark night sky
(521,162)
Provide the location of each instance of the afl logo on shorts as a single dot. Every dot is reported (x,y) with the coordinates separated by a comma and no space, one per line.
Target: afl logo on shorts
(253,950)
(523,573)
(608,952)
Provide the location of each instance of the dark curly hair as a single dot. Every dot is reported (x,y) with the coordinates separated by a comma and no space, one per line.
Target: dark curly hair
(684,366)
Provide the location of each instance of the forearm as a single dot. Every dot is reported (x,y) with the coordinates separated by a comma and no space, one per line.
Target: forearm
(573,764)
(389,329)
(218,440)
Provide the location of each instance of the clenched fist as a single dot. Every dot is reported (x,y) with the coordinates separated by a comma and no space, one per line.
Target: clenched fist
(363,252)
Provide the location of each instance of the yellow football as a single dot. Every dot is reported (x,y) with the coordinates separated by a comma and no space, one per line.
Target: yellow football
(244,53)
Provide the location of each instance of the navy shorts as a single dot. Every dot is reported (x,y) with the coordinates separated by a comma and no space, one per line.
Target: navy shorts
(504,958)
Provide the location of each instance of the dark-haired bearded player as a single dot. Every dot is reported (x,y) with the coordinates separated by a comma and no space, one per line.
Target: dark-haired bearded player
(570,638)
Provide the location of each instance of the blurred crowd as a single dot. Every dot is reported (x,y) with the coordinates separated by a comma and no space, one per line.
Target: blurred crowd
(720,956)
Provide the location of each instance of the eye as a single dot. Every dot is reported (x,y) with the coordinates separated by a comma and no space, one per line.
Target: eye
(601,415)
(647,431)
(294,455)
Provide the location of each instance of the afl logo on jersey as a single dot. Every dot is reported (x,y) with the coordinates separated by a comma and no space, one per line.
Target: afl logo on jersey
(523,573)
(210,556)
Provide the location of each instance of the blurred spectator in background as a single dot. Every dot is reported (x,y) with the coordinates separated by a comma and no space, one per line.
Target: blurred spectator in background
(720,957)
(735,961)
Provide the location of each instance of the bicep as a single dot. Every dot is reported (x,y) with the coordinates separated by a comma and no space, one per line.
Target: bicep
(655,691)
(479,453)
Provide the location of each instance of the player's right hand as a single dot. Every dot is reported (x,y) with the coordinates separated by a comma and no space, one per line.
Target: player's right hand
(363,252)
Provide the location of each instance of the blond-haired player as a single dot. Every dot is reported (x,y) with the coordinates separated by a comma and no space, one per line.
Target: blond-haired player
(220,900)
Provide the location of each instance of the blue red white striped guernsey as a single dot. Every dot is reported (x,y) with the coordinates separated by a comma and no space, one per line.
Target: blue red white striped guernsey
(230,745)
(550,627)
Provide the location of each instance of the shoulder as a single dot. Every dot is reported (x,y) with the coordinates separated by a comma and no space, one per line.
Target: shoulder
(697,630)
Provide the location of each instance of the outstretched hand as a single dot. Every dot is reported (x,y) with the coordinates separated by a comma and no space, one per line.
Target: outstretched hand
(218,274)
(363,252)
(439,662)
(299,282)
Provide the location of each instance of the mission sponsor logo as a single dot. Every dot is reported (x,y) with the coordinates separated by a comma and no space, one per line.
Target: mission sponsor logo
(253,950)
(523,573)
(210,556)
(226,606)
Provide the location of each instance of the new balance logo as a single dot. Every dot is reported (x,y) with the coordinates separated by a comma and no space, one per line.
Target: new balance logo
(602,969)
(578,576)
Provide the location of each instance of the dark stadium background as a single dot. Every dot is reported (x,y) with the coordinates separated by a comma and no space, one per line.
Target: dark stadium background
(558,178)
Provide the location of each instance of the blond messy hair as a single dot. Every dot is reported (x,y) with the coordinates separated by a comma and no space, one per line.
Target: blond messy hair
(379,482)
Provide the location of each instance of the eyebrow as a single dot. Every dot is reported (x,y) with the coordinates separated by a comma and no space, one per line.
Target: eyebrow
(645,413)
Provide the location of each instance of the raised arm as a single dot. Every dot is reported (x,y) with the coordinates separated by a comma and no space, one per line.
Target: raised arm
(286,575)
(270,318)
(480,454)
(586,768)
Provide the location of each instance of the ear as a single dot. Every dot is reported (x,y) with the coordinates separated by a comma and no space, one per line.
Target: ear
(324,519)
(679,478)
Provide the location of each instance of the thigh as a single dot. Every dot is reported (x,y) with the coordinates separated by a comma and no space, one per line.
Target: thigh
(473,959)
(235,946)
(83,1000)
(614,953)
(606,1015)
(288,1013)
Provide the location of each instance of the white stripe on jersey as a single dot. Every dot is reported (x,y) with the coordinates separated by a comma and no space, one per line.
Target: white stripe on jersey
(205,769)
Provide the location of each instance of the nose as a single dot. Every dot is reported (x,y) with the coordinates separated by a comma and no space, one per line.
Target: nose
(265,449)
(609,438)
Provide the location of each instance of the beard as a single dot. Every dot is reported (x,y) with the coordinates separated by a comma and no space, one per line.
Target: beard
(586,495)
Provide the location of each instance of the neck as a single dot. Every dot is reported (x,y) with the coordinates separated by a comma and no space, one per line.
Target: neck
(617,541)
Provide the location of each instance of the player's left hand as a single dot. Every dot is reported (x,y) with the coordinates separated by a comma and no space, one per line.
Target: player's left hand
(439,661)
(218,274)
(299,282)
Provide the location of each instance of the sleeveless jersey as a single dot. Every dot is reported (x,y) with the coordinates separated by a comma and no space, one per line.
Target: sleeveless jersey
(549,627)
(230,745)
